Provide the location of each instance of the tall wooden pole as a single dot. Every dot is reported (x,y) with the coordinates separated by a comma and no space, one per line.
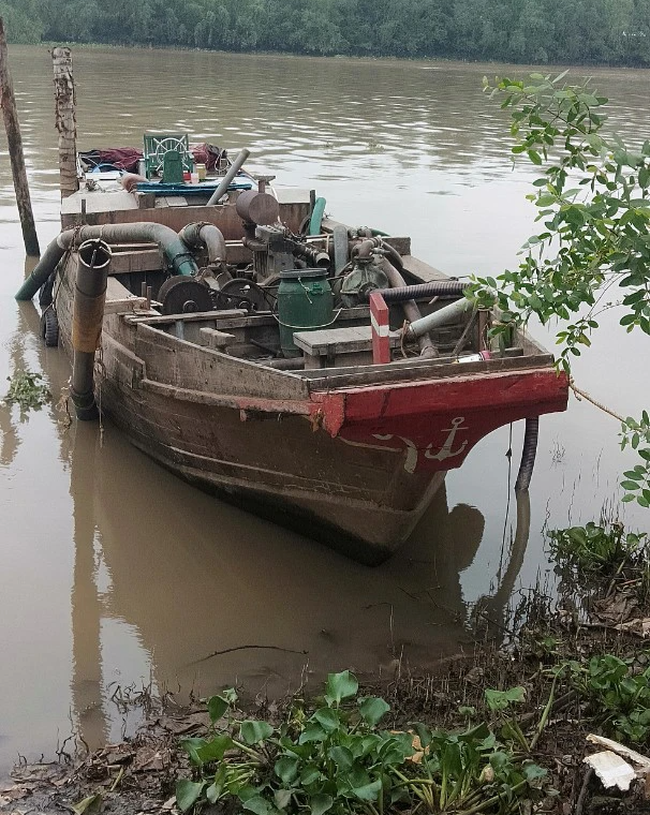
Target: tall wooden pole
(66,122)
(16,156)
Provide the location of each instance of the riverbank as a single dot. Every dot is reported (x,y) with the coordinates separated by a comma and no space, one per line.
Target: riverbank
(525,704)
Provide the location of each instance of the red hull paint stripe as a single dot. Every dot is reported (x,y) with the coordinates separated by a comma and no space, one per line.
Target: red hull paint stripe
(526,393)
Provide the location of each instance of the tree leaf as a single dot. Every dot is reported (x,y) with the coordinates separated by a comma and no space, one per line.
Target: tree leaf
(327,718)
(320,803)
(373,709)
(502,699)
(258,805)
(340,686)
(253,732)
(215,748)
(309,775)
(368,792)
(89,806)
(286,769)
(342,757)
(188,793)
(282,798)
(192,747)
(217,706)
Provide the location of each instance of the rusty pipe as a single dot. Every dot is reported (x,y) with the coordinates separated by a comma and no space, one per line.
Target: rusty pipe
(93,260)
(364,250)
(410,307)
(205,234)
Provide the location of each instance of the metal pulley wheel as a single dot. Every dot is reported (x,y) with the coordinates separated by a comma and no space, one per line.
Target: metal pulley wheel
(243,293)
(184,295)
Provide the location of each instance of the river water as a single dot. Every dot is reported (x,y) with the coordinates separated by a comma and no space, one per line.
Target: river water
(115,574)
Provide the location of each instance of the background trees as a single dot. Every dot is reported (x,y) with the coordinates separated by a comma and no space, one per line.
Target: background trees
(615,32)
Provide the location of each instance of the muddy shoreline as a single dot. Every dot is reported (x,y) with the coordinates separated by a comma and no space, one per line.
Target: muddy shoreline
(564,656)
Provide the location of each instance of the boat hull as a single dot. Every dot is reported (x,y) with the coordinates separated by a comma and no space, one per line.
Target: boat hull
(360,502)
(354,466)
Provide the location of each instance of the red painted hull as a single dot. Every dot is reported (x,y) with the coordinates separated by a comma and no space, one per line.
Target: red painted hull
(434,424)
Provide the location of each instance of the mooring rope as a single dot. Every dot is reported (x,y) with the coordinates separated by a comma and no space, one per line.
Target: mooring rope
(580,394)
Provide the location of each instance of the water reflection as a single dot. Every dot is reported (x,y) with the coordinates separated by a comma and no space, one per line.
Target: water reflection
(86,682)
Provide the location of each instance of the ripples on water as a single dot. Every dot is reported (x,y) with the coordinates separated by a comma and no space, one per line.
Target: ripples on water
(112,571)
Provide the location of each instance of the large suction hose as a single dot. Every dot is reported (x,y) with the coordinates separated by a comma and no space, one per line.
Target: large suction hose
(171,246)
(94,257)
(208,235)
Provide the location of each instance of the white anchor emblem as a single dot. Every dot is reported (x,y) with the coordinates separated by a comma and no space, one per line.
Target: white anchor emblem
(446,449)
(412,451)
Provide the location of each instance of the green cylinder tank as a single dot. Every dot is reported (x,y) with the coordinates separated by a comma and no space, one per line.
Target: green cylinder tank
(305,303)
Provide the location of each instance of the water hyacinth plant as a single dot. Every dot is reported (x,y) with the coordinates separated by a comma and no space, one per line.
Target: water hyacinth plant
(339,759)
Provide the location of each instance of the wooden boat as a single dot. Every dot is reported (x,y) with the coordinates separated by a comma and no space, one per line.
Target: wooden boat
(341,423)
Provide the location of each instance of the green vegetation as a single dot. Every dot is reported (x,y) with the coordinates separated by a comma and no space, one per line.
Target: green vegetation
(338,759)
(593,252)
(605,548)
(582,31)
(26,389)
(617,693)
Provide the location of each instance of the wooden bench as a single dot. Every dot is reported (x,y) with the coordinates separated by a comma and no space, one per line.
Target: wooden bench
(332,347)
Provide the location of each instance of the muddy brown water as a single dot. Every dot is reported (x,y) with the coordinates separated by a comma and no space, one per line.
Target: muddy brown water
(114,573)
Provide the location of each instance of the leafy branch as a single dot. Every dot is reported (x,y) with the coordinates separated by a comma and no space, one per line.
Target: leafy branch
(592,252)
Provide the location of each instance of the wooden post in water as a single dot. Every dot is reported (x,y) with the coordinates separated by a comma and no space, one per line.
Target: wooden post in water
(66,122)
(16,156)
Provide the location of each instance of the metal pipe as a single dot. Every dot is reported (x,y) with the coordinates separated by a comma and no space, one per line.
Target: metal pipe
(365,249)
(370,244)
(444,315)
(393,254)
(340,235)
(235,167)
(171,247)
(410,307)
(94,257)
(208,235)
(528,455)
(437,288)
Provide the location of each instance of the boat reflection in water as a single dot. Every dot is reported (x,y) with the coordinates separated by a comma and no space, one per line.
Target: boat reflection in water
(176,576)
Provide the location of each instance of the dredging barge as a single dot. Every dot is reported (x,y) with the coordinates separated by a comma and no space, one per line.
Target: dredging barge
(318,375)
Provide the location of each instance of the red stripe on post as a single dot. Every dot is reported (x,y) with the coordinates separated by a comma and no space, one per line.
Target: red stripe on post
(380,329)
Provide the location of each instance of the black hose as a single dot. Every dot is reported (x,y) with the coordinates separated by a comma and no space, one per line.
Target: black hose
(444,288)
(528,455)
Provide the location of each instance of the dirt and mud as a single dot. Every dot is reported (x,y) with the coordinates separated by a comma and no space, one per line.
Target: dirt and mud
(559,640)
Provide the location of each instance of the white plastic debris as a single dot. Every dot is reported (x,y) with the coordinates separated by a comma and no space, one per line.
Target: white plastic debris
(612,770)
